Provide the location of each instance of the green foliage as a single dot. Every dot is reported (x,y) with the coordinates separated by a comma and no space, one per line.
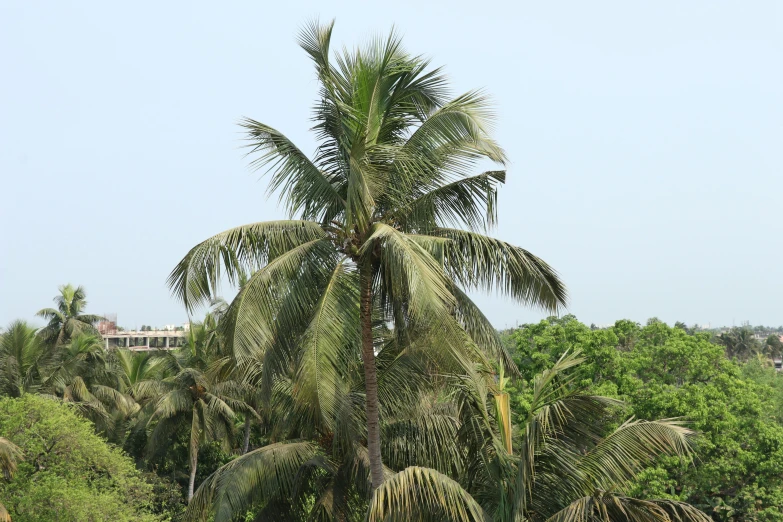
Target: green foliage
(69,474)
(664,372)
(572,448)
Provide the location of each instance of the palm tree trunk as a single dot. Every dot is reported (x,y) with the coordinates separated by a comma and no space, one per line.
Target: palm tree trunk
(246,445)
(193,465)
(370,376)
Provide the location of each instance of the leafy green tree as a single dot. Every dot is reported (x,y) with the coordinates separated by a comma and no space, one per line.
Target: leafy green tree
(761,371)
(380,205)
(672,374)
(21,351)
(68,319)
(663,372)
(66,472)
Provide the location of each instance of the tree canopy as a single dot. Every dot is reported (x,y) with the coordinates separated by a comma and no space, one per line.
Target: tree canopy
(65,472)
(664,372)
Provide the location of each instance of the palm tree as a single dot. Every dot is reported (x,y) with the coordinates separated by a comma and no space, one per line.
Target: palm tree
(136,367)
(68,319)
(193,397)
(377,240)
(128,369)
(79,372)
(568,466)
(20,353)
(739,342)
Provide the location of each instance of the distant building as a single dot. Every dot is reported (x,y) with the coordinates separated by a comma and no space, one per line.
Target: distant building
(107,327)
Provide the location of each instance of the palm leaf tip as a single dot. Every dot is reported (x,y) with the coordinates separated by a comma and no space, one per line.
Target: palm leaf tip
(476,261)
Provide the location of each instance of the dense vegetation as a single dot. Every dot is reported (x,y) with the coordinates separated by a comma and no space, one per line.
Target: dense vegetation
(450,446)
(184,417)
(662,372)
(65,471)
(352,378)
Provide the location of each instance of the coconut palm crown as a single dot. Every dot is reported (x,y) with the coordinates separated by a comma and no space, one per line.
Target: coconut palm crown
(390,229)
(68,319)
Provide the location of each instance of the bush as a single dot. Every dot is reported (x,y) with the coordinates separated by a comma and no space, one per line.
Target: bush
(69,474)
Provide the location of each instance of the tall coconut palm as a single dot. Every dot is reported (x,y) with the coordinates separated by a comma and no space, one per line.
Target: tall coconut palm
(21,351)
(68,319)
(379,206)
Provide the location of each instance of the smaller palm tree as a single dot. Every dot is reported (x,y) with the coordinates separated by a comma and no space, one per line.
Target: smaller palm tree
(128,368)
(68,319)
(193,397)
(20,354)
(740,343)
(79,372)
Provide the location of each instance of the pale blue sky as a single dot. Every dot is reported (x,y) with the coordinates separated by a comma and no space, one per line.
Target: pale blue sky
(646,142)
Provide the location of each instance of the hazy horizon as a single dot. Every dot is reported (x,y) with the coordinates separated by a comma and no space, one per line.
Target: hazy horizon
(644,139)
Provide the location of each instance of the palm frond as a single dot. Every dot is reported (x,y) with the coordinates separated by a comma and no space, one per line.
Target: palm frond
(307,191)
(480,262)
(279,297)
(263,474)
(334,327)
(617,458)
(607,507)
(481,331)
(469,201)
(197,276)
(423,494)
(409,272)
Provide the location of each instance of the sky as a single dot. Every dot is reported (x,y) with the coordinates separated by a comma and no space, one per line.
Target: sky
(645,143)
